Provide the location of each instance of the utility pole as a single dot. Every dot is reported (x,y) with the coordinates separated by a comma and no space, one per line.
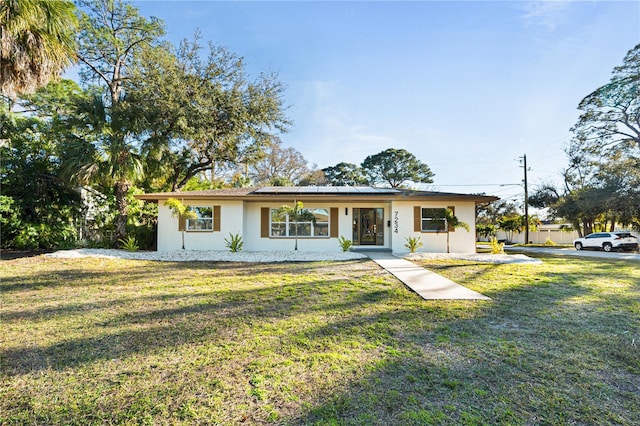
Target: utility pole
(526,201)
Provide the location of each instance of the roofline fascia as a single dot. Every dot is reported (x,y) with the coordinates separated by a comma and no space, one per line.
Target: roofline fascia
(320,197)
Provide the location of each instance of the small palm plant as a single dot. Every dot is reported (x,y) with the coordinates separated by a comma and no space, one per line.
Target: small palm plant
(496,247)
(179,210)
(344,243)
(129,244)
(234,243)
(413,244)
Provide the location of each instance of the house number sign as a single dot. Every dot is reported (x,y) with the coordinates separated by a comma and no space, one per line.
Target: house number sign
(395,221)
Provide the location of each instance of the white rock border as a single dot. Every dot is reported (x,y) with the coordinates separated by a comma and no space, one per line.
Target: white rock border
(274,256)
(477,257)
(210,255)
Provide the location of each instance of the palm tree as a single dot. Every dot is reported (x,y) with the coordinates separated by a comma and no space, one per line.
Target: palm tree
(111,38)
(180,211)
(296,214)
(451,223)
(102,150)
(37,41)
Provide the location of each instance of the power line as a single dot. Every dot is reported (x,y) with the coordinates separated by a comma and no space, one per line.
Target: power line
(472,184)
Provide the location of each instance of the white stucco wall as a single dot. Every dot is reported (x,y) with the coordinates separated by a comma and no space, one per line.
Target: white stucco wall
(460,241)
(244,218)
(253,241)
(169,238)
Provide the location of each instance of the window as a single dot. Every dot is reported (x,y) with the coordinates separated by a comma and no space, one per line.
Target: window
(309,223)
(433,220)
(203,220)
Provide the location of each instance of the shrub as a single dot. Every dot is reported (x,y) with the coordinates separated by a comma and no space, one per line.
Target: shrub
(27,238)
(549,242)
(496,247)
(130,244)
(413,244)
(344,243)
(44,236)
(145,234)
(234,243)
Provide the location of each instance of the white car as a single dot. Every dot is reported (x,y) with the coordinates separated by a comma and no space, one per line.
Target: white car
(607,241)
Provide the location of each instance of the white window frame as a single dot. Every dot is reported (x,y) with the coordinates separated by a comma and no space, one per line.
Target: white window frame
(190,224)
(432,218)
(316,228)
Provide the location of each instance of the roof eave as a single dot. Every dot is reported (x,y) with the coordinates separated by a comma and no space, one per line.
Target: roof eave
(319,197)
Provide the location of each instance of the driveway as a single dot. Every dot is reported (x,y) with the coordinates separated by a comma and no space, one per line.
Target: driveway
(575,253)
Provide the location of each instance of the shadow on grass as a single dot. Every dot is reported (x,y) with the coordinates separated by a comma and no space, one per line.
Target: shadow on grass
(537,353)
(94,274)
(532,355)
(199,316)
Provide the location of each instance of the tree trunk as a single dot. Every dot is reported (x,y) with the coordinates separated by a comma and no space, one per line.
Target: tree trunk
(122,205)
(588,227)
(613,225)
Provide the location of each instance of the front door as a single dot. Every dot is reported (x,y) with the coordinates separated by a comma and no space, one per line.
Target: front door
(368,226)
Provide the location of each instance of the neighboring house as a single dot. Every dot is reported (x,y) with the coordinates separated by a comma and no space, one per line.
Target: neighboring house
(379,218)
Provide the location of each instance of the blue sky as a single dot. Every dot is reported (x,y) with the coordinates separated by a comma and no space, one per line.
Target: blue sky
(468,87)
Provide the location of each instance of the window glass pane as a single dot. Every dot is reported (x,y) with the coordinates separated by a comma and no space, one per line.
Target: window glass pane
(311,223)
(432,225)
(277,216)
(303,228)
(279,229)
(321,215)
(203,220)
(203,212)
(201,224)
(321,230)
(433,219)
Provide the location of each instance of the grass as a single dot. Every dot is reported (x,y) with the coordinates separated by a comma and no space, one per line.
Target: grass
(97,341)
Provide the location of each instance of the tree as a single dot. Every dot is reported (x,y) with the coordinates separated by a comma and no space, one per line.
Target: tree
(395,167)
(37,206)
(510,224)
(601,181)
(113,35)
(595,195)
(452,223)
(345,174)
(180,211)
(36,43)
(611,114)
(488,214)
(279,167)
(315,177)
(486,230)
(199,114)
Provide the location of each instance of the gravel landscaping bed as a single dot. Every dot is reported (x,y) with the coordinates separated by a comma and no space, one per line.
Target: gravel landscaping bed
(211,255)
(273,256)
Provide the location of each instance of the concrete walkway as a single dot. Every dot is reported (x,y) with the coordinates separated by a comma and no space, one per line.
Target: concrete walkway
(429,285)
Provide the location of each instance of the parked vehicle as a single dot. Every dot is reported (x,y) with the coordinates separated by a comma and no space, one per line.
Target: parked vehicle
(607,241)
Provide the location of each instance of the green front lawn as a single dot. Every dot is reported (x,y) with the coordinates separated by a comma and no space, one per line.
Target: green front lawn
(95,341)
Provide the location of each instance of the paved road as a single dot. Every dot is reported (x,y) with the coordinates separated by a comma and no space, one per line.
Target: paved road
(573,252)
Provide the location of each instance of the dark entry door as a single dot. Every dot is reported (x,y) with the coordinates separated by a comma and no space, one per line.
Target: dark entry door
(368,226)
